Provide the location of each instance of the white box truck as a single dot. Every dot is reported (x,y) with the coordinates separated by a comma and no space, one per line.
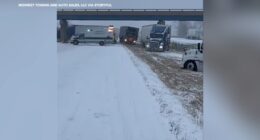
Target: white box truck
(94,34)
(156,37)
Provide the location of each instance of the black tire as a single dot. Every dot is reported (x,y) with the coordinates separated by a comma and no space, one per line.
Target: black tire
(143,45)
(121,40)
(101,43)
(164,49)
(75,42)
(168,48)
(191,65)
(114,42)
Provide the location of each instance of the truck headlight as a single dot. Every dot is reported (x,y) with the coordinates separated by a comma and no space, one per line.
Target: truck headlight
(134,41)
(161,45)
(147,45)
(125,40)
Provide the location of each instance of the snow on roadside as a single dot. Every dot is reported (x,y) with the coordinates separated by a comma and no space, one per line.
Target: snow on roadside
(185,41)
(172,55)
(176,56)
(103,96)
(67,46)
(181,123)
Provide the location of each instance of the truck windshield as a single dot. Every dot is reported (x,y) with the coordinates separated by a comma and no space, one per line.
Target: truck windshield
(131,32)
(155,35)
(158,29)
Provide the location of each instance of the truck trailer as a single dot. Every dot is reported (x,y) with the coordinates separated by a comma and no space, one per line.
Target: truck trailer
(94,34)
(156,37)
(128,34)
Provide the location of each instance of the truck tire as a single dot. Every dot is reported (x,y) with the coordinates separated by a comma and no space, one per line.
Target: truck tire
(75,42)
(101,43)
(114,42)
(164,48)
(143,45)
(121,40)
(190,65)
(168,48)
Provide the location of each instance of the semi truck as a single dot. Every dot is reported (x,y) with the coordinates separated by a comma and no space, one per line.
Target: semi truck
(193,58)
(128,35)
(156,37)
(94,34)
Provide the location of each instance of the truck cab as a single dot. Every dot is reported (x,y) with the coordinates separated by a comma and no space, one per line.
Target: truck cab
(193,58)
(159,38)
(128,35)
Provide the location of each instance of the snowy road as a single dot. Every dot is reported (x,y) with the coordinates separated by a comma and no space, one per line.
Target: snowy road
(102,96)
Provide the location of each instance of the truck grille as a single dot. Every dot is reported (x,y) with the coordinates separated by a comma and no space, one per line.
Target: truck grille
(154,44)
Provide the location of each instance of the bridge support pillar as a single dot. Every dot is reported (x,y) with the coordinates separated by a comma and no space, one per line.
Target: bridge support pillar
(63,31)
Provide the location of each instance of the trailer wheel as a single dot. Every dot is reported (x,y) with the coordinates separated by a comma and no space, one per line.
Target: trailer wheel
(143,45)
(101,43)
(75,42)
(190,65)
(168,48)
(121,40)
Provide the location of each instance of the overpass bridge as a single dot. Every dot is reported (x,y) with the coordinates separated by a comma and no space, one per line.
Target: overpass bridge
(126,14)
(131,14)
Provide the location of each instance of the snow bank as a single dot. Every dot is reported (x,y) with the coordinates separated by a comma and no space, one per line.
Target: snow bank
(181,124)
(171,55)
(185,41)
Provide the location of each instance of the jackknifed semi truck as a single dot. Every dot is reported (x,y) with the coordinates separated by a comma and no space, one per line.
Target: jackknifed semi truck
(156,37)
(94,34)
(128,35)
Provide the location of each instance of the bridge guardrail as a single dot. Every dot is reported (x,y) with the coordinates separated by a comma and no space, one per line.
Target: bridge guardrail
(135,10)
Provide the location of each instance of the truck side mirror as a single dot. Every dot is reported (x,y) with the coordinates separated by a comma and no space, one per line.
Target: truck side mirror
(198,46)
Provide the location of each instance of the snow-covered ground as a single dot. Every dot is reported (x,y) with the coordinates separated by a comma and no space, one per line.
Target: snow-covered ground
(185,41)
(171,55)
(108,93)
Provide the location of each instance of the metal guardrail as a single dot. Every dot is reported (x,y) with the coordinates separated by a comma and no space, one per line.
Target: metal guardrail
(134,10)
(131,14)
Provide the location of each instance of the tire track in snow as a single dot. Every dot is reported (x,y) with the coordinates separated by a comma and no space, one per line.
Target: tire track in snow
(180,123)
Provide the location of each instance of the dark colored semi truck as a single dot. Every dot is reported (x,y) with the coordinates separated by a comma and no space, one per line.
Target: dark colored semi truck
(156,37)
(128,35)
